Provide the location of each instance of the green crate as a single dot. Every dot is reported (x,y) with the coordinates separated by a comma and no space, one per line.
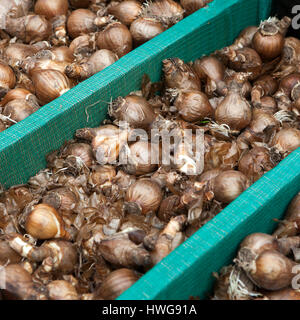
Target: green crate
(187,270)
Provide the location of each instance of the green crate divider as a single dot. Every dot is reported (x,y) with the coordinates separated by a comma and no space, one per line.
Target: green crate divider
(187,270)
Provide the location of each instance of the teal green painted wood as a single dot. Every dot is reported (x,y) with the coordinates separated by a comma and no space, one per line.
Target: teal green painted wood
(187,270)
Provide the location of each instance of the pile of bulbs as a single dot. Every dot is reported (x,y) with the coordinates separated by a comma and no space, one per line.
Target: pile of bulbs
(48,46)
(266,266)
(88,227)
